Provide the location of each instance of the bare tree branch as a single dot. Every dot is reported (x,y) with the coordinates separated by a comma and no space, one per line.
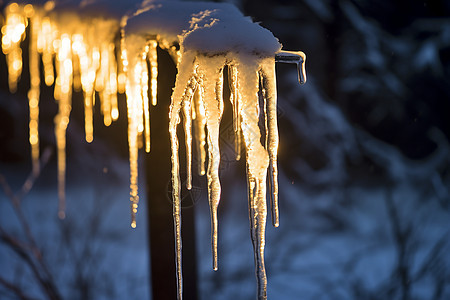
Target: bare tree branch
(11,287)
(29,252)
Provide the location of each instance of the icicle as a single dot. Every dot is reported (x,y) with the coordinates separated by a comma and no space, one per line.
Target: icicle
(45,46)
(152,57)
(268,78)
(134,108)
(232,79)
(185,83)
(113,82)
(34,92)
(187,117)
(103,86)
(145,100)
(257,163)
(13,33)
(63,94)
(89,99)
(210,71)
(198,115)
(133,67)
(133,132)
(87,69)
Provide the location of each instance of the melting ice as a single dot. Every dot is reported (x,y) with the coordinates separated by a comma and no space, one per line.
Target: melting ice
(214,38)
(204,40)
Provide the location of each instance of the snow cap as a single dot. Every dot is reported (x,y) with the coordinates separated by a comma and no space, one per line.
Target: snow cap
(216,32)
(208,28)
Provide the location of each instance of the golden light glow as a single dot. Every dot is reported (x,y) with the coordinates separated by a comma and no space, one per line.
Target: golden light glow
(152,57)
(34,92)
(46,48)
(83,55)
(145,100)
(13,33)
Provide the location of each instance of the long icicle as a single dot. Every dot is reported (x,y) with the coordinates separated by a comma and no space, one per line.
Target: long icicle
(134,109)
(187,117)
(211,70)
(199,128)
(63,94)
(184,81)
(268,79)
(257,164)
(132,102)
(113,83)
(232,79)
(153,59)
(34,92)
(103,85)
(145,101)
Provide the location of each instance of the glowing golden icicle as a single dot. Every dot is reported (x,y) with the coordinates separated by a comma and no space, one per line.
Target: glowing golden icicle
(63,92)
(233,82)
(45,46)
(135,123)
(133,133)
(121,82)
(13,33)
(104,84)
(198,115)
(87,77)
(145,100)
(183,88)
(153,59)
(131,67)
(34,92)
(89,116)
(139,115)
(257,164)
(268,78)
(212,83)
(113,82)
(187,117)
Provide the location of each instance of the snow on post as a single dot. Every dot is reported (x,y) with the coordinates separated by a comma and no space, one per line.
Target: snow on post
(204,39)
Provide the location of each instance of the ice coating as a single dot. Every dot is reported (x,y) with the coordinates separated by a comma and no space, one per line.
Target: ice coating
(212,38)
(205,74)
(204,39)
(203,70)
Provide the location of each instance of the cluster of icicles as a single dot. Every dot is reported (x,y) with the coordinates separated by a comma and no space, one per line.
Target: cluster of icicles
(82,51)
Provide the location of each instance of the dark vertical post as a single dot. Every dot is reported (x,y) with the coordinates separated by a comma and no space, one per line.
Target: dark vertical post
(158,184)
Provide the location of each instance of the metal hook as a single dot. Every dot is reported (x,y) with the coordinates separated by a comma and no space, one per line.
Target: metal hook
(294,57)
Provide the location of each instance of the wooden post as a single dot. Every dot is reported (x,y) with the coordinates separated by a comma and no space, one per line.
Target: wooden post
(158,184)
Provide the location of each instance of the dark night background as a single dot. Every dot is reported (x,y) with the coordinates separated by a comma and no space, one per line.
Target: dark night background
(364,171)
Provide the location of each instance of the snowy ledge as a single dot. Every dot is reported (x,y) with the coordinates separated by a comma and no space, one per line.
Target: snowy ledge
(209,28)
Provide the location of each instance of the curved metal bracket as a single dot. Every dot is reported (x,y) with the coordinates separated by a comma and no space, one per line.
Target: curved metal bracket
(294,57)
